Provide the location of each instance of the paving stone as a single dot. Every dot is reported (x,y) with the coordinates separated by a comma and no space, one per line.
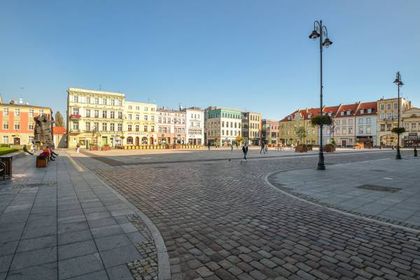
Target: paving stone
(72,237)
(46,271)
(120,272)
(76,249)
(5,262)
(120,255)
(33,258)
(79,266)
(8,248)
(204,271)
(97,275)
(37,243)
(111,242)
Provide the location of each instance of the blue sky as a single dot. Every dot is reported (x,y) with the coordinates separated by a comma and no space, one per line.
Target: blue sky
(253,55)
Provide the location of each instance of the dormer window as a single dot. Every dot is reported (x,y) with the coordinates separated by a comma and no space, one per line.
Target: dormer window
(369,111)
(342,113)
(348,113)
(362,111)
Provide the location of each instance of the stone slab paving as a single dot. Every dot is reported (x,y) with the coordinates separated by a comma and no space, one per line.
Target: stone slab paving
(63,223)
(221,220)
(392,194)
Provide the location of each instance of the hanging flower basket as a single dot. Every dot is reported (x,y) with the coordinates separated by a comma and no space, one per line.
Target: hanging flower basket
(321,120)
(398,130)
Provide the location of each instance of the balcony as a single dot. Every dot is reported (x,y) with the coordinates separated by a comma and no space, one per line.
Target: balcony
(75,116)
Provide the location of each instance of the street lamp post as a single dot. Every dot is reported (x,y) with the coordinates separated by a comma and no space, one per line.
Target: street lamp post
(320,31)
(399,83)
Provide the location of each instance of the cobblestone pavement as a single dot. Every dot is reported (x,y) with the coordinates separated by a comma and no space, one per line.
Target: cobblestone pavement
(220,220)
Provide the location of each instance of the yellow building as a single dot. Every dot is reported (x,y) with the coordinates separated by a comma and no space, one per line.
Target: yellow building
(410,120)
(140,123)
(94,118)
(252,127)
(388,119)
(300,120)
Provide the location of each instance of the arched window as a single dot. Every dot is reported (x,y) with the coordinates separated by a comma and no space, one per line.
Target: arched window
(129,140)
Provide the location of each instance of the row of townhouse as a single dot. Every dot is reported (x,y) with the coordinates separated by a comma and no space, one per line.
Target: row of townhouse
(370,123)
(106,118)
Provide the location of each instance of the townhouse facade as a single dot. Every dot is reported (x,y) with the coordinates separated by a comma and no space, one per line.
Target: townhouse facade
(252,127)
(171,126)
(297,128)
(345,125)
(388,119)
(194,125)
(223,126)
(94,118)
(366,119)
(17,122)
(140,123)
(270,131)
(411,122)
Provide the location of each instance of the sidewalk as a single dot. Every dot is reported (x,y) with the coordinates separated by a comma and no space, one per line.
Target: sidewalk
(387,190)
(62,222)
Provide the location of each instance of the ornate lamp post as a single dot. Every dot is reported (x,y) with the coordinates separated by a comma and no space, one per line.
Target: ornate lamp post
(399,83)
(320,31)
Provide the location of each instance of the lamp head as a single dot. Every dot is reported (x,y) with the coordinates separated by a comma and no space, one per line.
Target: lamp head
(327,42)
(314,34)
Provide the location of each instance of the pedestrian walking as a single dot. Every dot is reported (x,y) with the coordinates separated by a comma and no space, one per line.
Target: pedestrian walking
(231,147)
(265,148)
(77,148)
(245,151)
(262,147)
(208,145)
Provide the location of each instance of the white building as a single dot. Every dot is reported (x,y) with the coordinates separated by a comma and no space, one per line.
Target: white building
(223,126)
(194,125)
(366,119)
(140,123)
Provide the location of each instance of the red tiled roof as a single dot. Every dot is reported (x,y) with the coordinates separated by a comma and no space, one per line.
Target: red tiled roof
(331,109)
(59,130)
(346,107)
(365,106)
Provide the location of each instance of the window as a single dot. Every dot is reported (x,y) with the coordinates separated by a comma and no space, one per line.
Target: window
(104,126)
(6,111)
(31,126)
(96,126)
(395,106)
(31,113)
(130,116)
(152,118)
(96,100)
(145,128)
(87,126)
(104,114)
(5,139)
(137,117)
(112,102)
(413,126)
(87,113)
(75,111)
(368,130)
(388,106)
(137,108)
(360,130)
(119,127)
(152,128)
(130,127)
(120,115)
(96,113)
(112,127)
(369,111)
(17,112)
(146,109)
(5,126)
(137,127)
(112,114)
(75,125)
(388,127)
(368,120)
(75,98)
(382,106)
(88,100)
(145,117)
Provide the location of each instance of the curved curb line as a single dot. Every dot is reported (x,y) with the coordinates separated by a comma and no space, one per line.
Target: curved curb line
(335,209)
(164,272)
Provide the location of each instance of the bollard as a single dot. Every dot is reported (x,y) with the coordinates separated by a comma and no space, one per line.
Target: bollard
(415,151)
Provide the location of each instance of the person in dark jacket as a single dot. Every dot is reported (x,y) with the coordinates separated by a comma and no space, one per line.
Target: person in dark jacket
(245,150)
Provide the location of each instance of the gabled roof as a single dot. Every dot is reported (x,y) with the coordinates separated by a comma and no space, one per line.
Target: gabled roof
(331,109)
(347,107)
(365,106)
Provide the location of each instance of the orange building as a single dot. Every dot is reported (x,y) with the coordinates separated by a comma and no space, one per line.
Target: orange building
(17,122)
